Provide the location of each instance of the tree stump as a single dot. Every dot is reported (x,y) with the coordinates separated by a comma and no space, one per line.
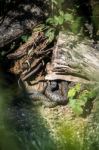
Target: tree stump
(74,59)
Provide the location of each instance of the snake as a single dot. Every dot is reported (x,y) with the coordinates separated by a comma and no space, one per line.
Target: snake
(55,93)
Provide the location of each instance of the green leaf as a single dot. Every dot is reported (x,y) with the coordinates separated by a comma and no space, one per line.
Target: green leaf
(50,34)
(78,110)
(78,87)
(61,13)
(68,17)
(60,20)
(76,106)
(81,102)
(50,20)
(56,20)
(71,93)
(24,38)
(72,102)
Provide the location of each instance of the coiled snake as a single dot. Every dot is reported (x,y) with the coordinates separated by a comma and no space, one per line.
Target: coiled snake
(55,93)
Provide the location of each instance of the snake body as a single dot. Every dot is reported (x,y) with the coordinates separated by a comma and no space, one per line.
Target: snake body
(39,98)
(52,94)
(55,94)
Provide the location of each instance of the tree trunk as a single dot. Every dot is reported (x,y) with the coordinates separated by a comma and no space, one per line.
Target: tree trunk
(18,22)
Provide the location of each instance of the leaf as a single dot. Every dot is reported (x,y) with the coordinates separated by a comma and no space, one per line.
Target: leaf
(50,34)
(60,20)
(71,93)
(81,102)
(78,109)
(78,87)
(72,102)
(68,17)
(61,13)
(56,20)
(76,106)
(50,20)
(24,38)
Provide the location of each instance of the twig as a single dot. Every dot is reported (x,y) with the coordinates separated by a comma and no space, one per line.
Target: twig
(32,72)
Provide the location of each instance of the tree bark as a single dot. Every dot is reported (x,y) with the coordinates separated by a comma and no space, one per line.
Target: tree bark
(18,22)
(74,60)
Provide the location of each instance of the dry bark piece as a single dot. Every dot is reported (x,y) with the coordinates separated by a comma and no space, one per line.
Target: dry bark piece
(32,72)
(35,45)
(23,49)
(30,57)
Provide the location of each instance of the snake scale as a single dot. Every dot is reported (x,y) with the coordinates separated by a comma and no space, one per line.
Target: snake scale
(55,93)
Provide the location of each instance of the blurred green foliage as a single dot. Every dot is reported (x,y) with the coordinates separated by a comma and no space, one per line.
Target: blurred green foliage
(78,98)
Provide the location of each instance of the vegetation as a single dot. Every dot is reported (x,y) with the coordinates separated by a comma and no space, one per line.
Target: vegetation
(24,126)
(65,21)
(78,98)
(62,20)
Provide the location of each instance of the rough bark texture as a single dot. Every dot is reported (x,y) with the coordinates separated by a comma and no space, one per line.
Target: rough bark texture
(19,21)
(74,60)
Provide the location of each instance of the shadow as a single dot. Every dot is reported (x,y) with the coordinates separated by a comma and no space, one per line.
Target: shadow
(85,9)
(22,127)
(20,19)
(87,108)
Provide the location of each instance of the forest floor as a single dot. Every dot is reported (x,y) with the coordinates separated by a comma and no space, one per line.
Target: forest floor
(53,128)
